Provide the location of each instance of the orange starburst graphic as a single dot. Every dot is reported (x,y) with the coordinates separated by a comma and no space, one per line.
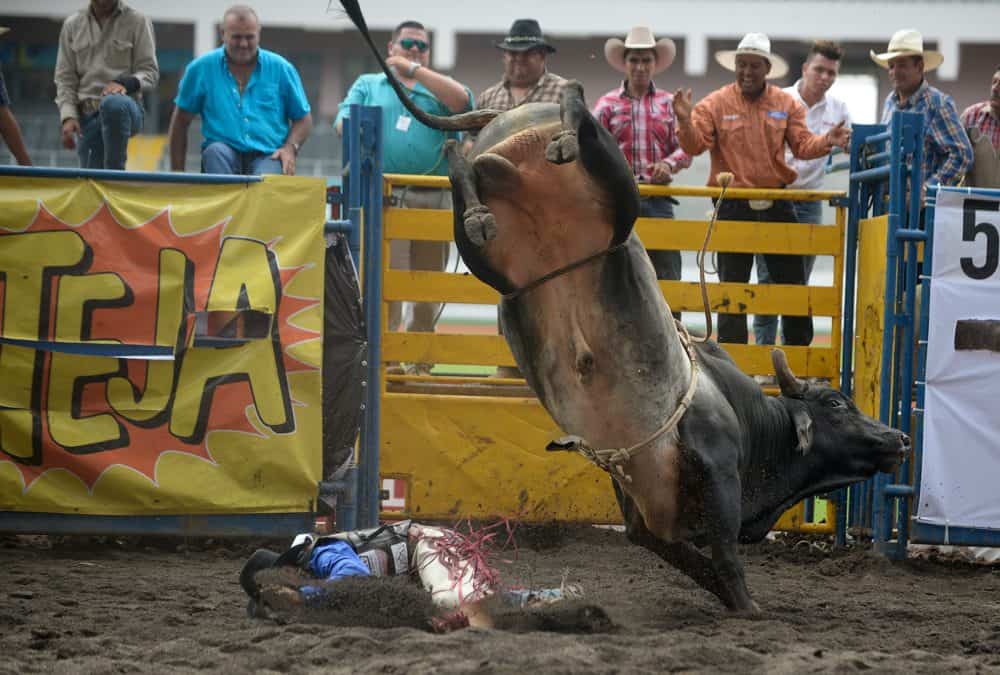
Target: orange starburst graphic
(133,254)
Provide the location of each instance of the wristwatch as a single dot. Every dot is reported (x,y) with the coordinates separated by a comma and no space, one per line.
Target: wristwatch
(413,68)
(295,146)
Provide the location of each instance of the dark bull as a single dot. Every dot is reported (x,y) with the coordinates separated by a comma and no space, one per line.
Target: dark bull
(544,206)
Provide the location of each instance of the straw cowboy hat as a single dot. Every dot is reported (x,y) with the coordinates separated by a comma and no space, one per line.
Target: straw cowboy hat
(524,34)
(640,37)
(754,44)
(908,42)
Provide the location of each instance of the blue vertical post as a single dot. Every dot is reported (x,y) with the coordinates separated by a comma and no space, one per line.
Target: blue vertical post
(921,377)
(896,183)
(905,180)
(849,502)
(367,165)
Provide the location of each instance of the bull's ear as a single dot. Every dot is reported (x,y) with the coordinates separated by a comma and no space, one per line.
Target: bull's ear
(791,386)
(803,428)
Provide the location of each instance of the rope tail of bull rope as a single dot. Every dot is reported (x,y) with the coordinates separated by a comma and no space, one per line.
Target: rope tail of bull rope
(724,179)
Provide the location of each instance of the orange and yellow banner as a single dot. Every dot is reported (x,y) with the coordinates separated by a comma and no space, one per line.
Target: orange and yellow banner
(160,346)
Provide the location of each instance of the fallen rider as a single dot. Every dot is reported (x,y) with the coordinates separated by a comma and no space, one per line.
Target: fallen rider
(365,578)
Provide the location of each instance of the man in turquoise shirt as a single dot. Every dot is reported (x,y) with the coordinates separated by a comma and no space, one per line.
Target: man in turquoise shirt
(254,111)
(410,147)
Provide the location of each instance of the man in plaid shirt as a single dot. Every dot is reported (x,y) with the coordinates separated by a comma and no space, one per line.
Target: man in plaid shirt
(525,79)
(641,118)
(947,151)
(982,122)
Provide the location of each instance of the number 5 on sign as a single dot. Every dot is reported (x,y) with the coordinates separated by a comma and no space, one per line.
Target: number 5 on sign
(971,230)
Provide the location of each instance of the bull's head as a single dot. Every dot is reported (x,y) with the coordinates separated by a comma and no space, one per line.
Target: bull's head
(849,443)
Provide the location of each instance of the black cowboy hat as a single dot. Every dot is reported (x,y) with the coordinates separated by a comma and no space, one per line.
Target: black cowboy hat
(524,34)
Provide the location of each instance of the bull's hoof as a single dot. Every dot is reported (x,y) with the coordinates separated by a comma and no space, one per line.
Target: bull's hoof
(480,225)
(563,148)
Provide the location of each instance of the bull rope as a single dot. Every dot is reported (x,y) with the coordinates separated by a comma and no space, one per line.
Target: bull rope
(724,179)
(562,270)
(612,459)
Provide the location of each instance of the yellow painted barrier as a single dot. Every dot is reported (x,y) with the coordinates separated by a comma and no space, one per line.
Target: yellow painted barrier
(144,152)
(872,253)
(483,455)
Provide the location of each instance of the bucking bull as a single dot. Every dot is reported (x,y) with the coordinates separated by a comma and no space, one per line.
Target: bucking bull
(544,206)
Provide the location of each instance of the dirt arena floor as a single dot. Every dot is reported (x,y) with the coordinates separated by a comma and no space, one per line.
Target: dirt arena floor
(91,606)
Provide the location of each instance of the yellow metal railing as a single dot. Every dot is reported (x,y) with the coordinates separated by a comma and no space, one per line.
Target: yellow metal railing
(474,450)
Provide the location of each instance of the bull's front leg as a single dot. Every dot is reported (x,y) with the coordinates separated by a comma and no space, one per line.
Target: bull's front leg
(681,555)
(581,137)
(721,575)
(479,224)
(564,146)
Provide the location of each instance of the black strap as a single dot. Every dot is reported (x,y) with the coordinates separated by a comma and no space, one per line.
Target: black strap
(562,270)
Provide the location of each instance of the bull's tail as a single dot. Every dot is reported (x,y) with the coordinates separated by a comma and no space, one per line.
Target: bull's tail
(470,121)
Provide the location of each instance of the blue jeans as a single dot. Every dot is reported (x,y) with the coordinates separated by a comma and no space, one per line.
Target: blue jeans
(765,326)
(220,158)
(784,269)
(104,135)
(666,263)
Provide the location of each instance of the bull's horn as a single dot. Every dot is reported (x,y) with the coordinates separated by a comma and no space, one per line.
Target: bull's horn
(791,386)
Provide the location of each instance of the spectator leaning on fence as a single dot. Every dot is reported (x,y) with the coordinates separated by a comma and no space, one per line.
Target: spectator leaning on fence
(641,118)
(106,59)
(823,112)
(525,80)
(9,129)
(254,112)
(947,151)
(745,126)
(409,147)
(981,122)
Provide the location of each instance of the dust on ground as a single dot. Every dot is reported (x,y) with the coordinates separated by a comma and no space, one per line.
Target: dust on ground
(103,606)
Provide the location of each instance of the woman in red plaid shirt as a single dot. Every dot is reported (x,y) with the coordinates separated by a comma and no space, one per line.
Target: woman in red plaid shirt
(641,118)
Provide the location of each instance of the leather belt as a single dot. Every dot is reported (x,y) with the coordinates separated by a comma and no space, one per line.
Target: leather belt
(89,106)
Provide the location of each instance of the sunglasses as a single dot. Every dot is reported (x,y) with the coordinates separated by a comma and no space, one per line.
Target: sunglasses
(410,43)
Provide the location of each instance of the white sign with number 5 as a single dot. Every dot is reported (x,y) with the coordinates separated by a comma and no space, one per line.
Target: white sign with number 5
(960,479)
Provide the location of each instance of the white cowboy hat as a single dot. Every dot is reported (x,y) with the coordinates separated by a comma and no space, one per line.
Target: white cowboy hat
(754,44)
(640,37)
(908,42)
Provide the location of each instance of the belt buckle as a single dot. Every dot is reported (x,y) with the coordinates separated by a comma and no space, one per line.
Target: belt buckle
(760,204)
(90,106)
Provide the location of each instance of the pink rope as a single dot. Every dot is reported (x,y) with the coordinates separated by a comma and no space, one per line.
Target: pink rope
(476,550)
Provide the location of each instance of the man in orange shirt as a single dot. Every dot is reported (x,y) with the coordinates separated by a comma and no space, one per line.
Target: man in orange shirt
(745,127)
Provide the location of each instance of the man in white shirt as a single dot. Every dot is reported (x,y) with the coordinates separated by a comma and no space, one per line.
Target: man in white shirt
(823,112)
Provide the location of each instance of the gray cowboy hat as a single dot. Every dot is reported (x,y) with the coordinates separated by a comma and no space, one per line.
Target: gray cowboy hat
(524,34)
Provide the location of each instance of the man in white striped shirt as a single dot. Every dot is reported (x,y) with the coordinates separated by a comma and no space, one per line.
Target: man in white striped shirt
(823,112)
